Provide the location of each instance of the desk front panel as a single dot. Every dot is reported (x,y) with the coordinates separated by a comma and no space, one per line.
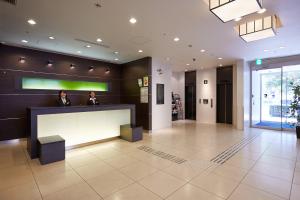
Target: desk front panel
(83,127)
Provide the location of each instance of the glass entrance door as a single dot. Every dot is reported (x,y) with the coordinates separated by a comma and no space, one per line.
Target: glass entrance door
(272,94)
(290,78)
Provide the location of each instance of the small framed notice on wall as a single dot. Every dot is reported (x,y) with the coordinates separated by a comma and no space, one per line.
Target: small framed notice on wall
(160,93)
(140,82)
(146,83)
(144,94)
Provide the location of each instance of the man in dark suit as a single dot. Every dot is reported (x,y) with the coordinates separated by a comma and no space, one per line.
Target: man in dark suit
(92,99)
(63,100)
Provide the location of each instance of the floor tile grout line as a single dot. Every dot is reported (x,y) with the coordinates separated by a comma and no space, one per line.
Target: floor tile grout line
(31,170)
(85,182)
(266,148)
(248,171)
(190,182)
(149,190)
(187,182)
(162,171)
(298,153)
(118,169)
(133,181)
(265,175)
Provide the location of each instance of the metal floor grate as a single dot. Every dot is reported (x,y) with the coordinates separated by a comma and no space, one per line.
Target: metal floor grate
(162,154)
(228,153)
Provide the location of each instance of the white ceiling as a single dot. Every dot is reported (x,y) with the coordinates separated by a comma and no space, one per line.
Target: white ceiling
(159,21)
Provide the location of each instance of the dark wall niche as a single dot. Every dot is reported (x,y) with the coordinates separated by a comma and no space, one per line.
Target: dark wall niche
(160,93)
(224,94)
(190,95)
(14,100)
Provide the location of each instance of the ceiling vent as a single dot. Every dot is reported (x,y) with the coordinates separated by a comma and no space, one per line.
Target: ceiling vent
(12,2)
(92,43)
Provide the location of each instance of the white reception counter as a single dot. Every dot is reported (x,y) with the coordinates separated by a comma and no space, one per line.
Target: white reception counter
(78,124)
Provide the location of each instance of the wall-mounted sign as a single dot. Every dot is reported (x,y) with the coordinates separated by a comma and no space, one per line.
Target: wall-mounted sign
(146,83)
(258,61)
(140,82)
(144,94)
(205,81)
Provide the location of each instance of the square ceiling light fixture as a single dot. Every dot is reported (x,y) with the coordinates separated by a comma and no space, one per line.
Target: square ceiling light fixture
(227,10)
(258,29)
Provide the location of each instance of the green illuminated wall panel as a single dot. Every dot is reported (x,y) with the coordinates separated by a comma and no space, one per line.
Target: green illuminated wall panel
(54,84)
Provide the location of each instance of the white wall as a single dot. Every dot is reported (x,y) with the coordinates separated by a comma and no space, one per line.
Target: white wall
(177,84)
(238,94)
(234,95)
(247,96)
(206,114)
(161,114)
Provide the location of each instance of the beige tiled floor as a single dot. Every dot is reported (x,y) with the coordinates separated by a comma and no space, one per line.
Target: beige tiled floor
(268,168)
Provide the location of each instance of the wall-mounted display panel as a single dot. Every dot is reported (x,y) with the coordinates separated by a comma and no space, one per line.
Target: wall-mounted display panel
(56,84)
(160,93)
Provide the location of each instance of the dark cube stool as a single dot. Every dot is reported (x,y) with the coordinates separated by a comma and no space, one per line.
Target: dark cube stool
(131,133)
(51,149)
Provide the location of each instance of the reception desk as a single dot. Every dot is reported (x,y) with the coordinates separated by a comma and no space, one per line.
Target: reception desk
(77,124)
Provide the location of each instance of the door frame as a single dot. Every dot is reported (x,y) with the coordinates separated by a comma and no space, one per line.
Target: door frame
(281,98)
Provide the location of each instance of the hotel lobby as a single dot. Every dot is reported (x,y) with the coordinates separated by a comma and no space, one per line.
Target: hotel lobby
(149,100)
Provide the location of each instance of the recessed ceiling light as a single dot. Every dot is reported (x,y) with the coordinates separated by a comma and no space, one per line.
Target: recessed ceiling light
(266,50)
(187,64)
(107,71)
(133,20)
(91,68)
(79,52)
(49,63)
(238,19)
(22,60)
(176,39)
(202,50)
(31,22)
(261,11)
(51,37)
(220,58)
(140,51)
(220,65)
(116,59)
(116,52)
(24,41)
(99,40)
(88,46)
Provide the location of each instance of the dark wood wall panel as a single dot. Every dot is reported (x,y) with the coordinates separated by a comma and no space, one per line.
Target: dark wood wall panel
(14,100)
(130,91)
(122,80)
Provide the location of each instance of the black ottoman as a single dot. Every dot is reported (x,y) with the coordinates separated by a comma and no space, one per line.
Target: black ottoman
(51,149)
(131,133)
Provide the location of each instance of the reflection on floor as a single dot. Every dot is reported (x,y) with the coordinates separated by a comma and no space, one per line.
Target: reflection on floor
(267,168)
(276,125)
